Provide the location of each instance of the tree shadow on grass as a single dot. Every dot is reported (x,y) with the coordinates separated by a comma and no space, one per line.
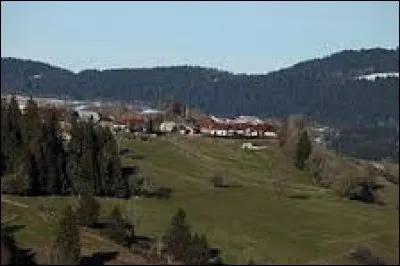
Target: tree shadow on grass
(99,258)
(19,256)
(11,229)
(299,196)
(24,257)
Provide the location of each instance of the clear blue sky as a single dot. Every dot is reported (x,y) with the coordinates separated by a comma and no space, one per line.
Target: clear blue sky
(252,37)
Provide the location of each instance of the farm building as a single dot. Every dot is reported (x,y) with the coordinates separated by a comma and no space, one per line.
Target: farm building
(231,129)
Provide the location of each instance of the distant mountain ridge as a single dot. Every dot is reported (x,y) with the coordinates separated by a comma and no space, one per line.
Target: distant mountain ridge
(324,88)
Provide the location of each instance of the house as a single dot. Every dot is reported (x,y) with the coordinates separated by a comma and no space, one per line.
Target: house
(206,125)
(251,146)
(378,166)
(220,130)
(87,115)
(118,127)
(185,129)
(167,126)
(248,120)
(244,126)
(270,134)
(129,122)
(106,124)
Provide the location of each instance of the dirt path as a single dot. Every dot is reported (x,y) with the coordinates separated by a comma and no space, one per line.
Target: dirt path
(14,203)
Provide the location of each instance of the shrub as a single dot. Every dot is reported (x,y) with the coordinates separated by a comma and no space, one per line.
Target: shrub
(218,181)
(124,151)
(362,254)
(163,193)
(88,210)
(362,192)
(118,229)
(251,262)
(278,187)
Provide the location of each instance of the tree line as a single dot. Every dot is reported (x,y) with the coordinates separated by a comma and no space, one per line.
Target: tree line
(37,160)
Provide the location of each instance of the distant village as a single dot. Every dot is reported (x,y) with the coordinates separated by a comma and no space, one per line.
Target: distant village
(170,118)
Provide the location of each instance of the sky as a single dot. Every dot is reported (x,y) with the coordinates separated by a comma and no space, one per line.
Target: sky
(241,37)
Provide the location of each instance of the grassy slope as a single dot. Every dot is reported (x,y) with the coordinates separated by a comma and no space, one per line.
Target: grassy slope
(38,230)
(246,221)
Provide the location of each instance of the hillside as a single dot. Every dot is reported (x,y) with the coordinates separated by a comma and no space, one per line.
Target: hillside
(325,89)
(308,225)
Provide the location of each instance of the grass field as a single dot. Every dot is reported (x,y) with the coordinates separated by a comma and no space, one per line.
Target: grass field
(243,222)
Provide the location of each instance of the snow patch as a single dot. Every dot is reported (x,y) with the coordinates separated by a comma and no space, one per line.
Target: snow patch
(373,76)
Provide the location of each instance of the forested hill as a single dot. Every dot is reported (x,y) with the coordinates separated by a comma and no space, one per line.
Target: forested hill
(325,89)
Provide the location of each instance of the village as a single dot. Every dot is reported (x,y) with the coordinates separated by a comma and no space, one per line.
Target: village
(139,120)
(172,118)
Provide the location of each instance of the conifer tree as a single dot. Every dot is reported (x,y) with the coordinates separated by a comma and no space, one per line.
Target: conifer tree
(74,153)
(117,232)
(31,122)
(67,243)
(33,174)
(198,251)
(5,137)
(303,150)
(178,238)
(88,211)
(15,136)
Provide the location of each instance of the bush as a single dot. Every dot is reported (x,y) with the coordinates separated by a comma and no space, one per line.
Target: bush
(278,187)
(218,181)
(124,151)
(251,262)
(362,192)
(88,211)
(362,254)
(118,229)
(163,193)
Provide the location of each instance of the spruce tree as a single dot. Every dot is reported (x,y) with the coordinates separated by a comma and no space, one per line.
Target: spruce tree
(67,243)
(5,137)
(31,122)
(303,150)
(198,251)
(74,153)
(178,238)
(88,211)
(15,135)
(116,230)
(33,174)
(116,215)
